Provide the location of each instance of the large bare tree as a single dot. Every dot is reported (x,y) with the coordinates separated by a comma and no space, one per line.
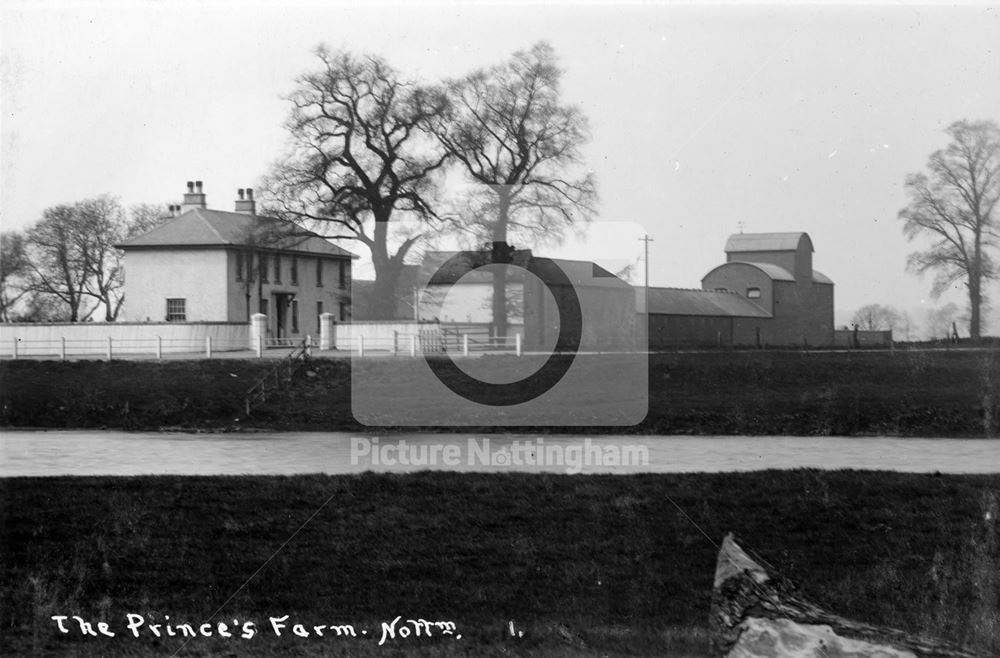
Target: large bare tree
(954,204)
(360,158)
(520,145)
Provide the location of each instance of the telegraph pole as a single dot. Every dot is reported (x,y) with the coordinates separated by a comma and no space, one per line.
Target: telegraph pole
(645,306)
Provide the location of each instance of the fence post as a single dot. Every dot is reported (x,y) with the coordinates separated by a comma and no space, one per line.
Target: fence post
(13,353)
(413,345)
(260,347)
(465,344)
(159,348)
(62,348)
(395,342)
(361,345)
(309,345)
(208,347)
(517,344)
(109,348)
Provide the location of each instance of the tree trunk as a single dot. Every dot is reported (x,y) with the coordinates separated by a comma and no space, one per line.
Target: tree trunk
(975,288)
(499,305)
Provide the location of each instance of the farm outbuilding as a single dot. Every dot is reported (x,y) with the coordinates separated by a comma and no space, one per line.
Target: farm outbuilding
(766,293)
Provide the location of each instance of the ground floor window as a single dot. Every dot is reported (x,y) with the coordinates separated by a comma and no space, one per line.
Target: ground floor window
(319,312)
(344,311)
(176,309)
(295,316)
(263,306)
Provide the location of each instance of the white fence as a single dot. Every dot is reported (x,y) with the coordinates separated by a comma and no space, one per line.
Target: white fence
(204,339)
(367,338)
(114,339)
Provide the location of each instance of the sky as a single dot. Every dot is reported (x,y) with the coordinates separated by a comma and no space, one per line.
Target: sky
(705,120)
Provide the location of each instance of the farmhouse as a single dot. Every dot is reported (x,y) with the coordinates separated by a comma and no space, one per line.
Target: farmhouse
(766,293)
(214,266)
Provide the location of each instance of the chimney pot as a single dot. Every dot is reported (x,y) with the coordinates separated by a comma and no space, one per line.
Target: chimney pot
(190,186)
(250,193)
(239,193)
(197,185)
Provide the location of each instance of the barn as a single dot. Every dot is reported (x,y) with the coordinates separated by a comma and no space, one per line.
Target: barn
(766,293)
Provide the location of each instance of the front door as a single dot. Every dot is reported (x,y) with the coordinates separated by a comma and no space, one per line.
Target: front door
(281,315)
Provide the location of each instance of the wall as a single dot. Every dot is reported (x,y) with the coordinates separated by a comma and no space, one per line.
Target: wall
(737,277)
(608,319)
(846,338)
(802,314)
(126,337)
(153,276)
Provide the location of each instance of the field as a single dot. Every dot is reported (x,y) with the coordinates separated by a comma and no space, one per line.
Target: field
(908,393)
(583,565)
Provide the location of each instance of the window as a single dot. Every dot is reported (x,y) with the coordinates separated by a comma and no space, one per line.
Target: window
(295,316)
(277,268)
(343,311)
(295,271)
(176,310)
(753,293)
(319,273)
(342,274)
(263,306)
(263,265)
(319,312)
(239,265)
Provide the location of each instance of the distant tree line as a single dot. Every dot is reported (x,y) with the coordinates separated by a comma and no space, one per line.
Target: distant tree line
(65,267)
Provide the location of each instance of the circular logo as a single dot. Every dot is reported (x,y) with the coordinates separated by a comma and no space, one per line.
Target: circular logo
(542,380)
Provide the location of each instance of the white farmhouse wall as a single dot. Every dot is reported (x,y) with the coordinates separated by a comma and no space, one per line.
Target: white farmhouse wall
(195,275)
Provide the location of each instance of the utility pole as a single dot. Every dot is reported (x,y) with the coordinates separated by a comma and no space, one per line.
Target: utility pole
(645,304)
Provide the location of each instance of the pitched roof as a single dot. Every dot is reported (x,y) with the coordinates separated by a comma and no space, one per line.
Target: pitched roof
(765,242)
(202,227)
(678,301)
(580,272)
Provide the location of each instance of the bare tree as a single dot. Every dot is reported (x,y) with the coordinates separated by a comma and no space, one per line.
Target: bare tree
(58,267)
(72,257)
(517,142)
(876,317)
(359,156)
(14,267)
(954,205)
(100,223)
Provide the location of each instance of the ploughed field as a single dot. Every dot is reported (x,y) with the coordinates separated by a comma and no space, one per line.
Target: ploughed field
(910,393)
(581,565)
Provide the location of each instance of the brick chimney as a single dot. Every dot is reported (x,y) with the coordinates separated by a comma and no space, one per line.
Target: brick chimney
(194,197)
(245,203)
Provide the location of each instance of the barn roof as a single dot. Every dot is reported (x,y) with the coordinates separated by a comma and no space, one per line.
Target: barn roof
(579,272)
(819,277)
(679,301)
(739,242)
(201,227)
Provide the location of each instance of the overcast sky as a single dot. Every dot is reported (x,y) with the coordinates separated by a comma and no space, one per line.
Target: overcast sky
(782,118)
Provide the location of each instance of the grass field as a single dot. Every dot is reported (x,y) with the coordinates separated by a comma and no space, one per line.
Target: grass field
(909,393)
(583,565)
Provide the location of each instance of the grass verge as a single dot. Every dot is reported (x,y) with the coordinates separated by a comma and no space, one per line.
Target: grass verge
(909,393)
(582,565)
